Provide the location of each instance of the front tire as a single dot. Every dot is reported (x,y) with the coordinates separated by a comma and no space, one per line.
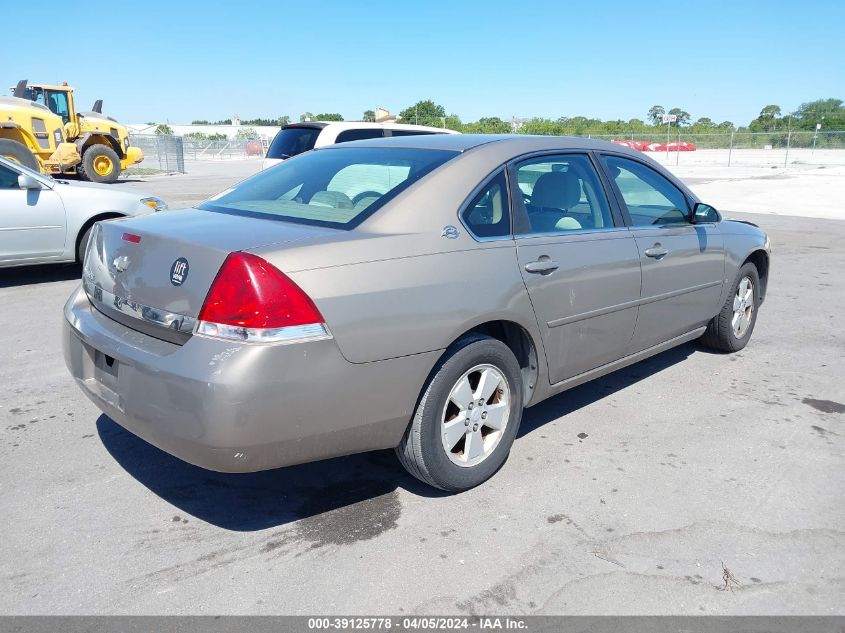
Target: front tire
(467,417)
(730,330)
(100,163)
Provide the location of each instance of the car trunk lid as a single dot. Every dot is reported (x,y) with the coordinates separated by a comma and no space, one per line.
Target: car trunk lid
(152,273)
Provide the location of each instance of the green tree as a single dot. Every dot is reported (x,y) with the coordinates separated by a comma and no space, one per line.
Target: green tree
(494,125)
(306,116)
(451,122)
(196,136)
(829,112)
(369,115)
(262,121)
(163,129)
(199,122)
(218,137)
(331,116)
(283,120)
(246,134)
(768,121)
(655,114)
(704,122)
(424,113)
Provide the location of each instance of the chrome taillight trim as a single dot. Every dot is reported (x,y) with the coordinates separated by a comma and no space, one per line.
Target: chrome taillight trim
(154,316)
(283,335)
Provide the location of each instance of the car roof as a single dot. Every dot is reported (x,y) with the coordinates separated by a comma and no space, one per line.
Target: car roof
(505,143)
(368,125)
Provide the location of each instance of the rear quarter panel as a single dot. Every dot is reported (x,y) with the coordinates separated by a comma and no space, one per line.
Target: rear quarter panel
(397,307)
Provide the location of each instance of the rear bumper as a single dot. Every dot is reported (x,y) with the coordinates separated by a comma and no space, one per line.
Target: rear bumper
(234,407)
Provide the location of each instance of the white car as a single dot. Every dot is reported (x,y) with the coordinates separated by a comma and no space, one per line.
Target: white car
(296,138)
(44,220)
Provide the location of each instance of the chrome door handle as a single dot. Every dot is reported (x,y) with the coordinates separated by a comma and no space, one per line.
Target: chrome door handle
(542,266)
(656,251)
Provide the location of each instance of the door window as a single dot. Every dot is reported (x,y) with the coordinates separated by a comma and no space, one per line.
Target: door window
(487,215)
(651,199)
(8,178)
(562,193)
(57,102)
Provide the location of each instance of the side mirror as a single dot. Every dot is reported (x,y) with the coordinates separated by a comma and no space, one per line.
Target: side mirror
(27,182)
(702,213)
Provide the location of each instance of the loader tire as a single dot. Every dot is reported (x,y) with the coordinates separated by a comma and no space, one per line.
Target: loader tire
(100,163)
(19,153)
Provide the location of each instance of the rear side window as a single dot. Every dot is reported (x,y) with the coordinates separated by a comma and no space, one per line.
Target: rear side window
(562,193)
(488,214)
(291,141)
(337,187)
(410,133)
(359,135)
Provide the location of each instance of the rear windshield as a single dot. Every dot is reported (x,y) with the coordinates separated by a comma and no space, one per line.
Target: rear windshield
(338,187)
(291,141)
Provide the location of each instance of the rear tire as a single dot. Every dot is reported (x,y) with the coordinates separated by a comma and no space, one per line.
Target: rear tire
(100,163)
(449,444)
(18,152)
(83,245)
(730,330)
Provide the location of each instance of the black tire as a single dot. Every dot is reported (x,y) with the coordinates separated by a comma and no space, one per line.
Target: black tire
(421,450)
(82,246)
(87,170)
(20,153)
(720,334)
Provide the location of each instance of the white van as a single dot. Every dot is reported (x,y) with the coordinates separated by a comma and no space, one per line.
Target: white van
(296,138)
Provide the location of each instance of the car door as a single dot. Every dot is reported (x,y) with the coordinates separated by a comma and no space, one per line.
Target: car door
(579,263)
(32,221)
(683,264)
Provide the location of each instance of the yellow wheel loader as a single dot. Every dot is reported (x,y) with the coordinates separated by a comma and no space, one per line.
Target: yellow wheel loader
(41,128)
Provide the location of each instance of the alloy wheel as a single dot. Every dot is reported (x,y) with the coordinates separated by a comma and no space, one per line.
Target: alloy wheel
(743,307)
(476,415)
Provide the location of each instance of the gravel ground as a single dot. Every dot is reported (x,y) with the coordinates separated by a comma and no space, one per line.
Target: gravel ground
(622,496)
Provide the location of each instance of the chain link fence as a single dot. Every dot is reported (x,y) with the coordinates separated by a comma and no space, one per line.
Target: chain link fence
(225,149)
(161,152)
(717,147)
(675,146)
(741,148)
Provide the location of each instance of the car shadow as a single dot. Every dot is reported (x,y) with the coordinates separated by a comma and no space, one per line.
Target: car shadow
(595,390)
(46,273)
(256,501)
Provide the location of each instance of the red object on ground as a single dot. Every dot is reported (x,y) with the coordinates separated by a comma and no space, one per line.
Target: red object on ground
(672,146)
(638,145)
(254,148)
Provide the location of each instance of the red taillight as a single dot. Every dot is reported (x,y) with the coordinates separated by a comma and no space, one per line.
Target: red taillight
(249,292)
(131,237)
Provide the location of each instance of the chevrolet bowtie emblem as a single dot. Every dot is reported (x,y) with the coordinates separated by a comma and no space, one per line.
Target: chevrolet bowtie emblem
(120,263)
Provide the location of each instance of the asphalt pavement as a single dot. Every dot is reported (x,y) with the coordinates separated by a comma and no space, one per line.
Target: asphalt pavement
(626,495)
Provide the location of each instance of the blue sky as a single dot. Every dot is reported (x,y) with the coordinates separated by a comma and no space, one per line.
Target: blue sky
(183,60)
